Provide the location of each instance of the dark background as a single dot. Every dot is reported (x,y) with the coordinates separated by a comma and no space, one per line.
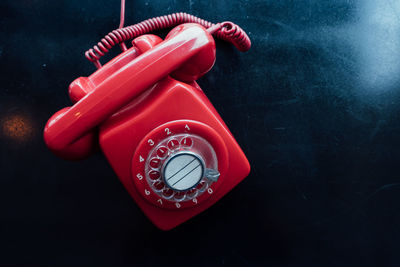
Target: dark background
(315,105)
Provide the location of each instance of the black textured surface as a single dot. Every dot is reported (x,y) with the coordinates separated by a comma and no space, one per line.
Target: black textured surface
(314,105)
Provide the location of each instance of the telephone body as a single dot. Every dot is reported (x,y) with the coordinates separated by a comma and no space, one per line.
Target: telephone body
(162,136)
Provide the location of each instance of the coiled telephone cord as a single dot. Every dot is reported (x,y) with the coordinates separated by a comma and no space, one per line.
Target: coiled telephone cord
(226,31)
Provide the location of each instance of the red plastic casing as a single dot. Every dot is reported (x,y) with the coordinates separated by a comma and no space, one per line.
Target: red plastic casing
(132,99)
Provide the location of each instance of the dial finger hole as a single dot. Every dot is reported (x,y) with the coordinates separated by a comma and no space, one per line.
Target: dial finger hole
(167,193)
(187,142)
(158,186)
(192,193)
(155,163)
(173,144)
(154,175)
(179,196)
(202,186)
(162,151)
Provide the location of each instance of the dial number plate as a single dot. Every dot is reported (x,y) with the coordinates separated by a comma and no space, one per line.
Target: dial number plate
(175,137)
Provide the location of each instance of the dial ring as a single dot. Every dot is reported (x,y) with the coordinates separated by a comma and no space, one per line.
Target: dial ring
(188,143)
(150,141)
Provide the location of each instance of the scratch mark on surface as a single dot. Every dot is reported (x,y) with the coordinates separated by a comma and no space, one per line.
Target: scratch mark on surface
(376,129)
(301,192)
(285,26)
(384,187)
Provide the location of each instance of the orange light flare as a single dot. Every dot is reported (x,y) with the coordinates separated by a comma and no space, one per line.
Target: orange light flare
(17,127)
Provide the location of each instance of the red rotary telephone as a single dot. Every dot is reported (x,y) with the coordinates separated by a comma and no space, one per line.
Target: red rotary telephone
(162,136)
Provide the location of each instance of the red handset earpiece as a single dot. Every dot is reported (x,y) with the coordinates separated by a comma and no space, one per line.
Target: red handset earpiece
(198,65)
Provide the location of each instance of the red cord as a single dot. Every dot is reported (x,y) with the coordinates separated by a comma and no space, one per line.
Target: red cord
(226,31)
(121,24)
(122,15)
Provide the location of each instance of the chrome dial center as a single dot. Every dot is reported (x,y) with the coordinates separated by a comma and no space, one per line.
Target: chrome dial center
(183,171)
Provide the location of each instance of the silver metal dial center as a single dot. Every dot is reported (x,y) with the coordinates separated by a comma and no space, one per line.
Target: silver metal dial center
(183,171)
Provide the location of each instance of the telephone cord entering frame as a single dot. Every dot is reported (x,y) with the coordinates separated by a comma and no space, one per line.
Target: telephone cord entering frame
(226,31)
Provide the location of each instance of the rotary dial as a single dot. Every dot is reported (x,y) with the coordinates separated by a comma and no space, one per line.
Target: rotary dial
(181,167)
(178,164)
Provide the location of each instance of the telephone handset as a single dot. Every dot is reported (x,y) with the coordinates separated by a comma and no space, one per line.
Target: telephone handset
(162,136)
